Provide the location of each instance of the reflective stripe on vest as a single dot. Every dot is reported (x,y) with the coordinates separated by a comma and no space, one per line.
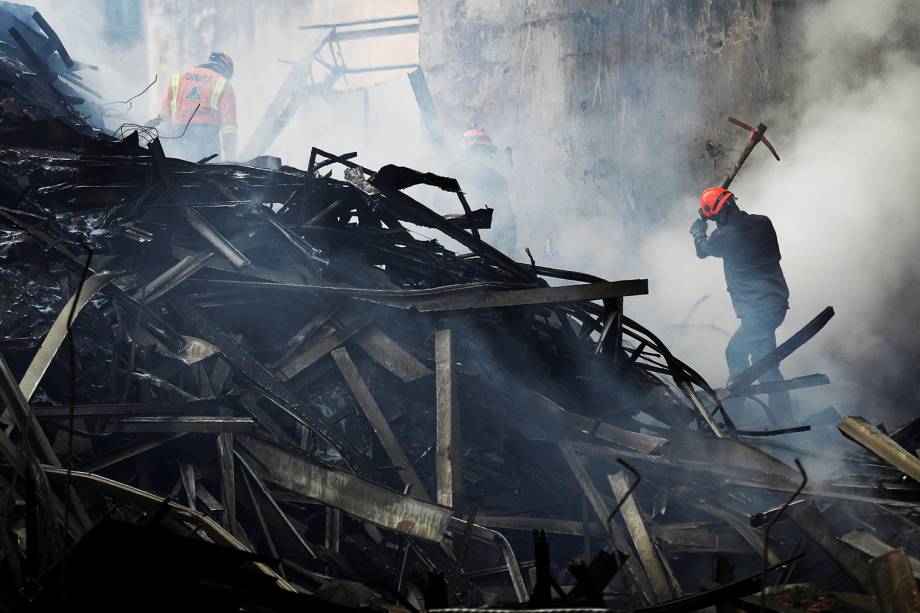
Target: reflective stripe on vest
(217,91)
(174,88)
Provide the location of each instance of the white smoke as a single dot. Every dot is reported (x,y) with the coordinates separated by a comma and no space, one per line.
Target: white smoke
(843,198)
(844,201)
(372,113)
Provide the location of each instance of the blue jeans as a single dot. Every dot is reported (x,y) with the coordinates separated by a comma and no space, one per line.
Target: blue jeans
(755,338)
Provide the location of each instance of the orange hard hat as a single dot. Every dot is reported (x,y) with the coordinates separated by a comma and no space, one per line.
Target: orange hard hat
(477,138)
(713,199)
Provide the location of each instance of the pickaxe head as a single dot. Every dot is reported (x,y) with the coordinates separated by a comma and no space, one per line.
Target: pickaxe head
(756,137)
(756,134)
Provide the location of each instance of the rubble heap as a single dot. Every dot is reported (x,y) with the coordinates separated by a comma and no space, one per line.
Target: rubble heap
(254,386)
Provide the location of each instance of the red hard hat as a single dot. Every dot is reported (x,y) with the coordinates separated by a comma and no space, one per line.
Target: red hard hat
(713,199)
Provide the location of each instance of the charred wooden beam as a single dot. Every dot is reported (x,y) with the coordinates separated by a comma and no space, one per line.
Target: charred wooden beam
(893,584)
(648,553)
(448,472)
(454,297)
(268,383)
(868,436)
(185,423)
(263,490)
(378,422)
(189,483)
(390,354)
(355,495)
(139,409)
(227,480)
(813,522)
(129,450)
(210,234)
(871,545)
(637,575)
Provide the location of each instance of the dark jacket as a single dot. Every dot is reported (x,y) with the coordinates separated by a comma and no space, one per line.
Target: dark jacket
(750,254)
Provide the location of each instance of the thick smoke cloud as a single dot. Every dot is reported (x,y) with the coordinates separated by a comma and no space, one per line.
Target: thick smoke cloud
(844,204)
(843,199)
(373,113)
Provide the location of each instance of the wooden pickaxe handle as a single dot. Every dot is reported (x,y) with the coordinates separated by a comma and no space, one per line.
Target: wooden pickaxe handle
(756,137)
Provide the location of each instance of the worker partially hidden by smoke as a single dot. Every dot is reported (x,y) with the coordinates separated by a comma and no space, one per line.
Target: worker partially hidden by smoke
(198,114)
(750,255)
(476,171)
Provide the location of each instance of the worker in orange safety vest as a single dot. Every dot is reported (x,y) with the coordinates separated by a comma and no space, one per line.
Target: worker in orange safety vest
(199,111)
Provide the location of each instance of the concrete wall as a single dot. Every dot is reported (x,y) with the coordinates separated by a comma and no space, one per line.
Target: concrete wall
(608,106)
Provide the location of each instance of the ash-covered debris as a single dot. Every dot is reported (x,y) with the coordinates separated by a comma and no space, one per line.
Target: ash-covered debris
(41,85)
(277,395)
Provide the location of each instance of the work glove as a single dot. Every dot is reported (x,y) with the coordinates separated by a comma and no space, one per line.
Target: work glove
(698,229)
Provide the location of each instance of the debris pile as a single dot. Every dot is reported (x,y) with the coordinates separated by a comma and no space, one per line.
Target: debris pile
(250,386)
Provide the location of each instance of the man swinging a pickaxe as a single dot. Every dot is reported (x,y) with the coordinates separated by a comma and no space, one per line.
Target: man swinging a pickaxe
(750,255)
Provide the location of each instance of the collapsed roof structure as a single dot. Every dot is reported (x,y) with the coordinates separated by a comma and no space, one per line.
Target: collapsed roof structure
(250,386)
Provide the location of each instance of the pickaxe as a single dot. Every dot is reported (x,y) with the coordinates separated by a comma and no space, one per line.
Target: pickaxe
(756,136)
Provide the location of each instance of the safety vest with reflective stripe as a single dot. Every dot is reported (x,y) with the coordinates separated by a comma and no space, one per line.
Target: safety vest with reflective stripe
(200,96)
